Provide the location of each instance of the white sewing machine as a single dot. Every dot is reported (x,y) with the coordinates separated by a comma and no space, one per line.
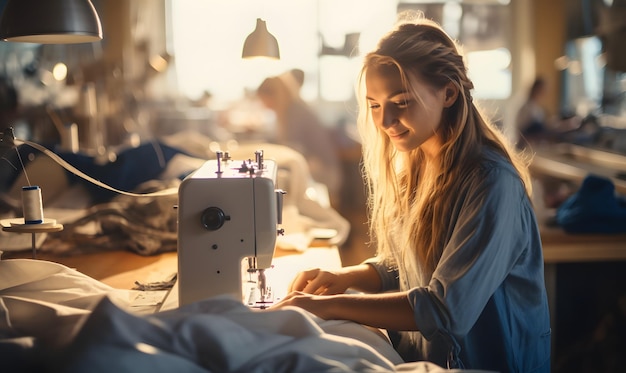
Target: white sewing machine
(229,214)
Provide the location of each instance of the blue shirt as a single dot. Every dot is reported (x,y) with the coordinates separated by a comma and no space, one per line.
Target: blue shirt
(485,305)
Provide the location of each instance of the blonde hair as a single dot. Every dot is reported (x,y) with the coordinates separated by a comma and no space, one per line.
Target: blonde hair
(409,218)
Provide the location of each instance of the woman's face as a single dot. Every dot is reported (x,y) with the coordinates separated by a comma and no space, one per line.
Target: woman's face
(408,122)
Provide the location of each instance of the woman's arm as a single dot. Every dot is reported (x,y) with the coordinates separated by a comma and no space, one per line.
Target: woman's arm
(387,311)
(321,293)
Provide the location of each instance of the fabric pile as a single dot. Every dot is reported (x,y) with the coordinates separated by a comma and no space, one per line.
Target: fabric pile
(594,208)
(56,319)
(144,225)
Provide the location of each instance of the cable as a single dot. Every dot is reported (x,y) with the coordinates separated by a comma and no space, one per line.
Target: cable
(77,172)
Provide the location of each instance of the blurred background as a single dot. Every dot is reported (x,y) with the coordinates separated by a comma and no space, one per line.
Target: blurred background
(168,68)
(164,66)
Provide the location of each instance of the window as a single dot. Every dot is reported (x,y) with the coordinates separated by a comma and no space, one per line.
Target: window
(208,36)
(322,37)
(483,29)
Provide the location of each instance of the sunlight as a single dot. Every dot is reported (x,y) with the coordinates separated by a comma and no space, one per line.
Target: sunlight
(490,71)
(208,39)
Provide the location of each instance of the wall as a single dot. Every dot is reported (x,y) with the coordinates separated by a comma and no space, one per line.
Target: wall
(549,36)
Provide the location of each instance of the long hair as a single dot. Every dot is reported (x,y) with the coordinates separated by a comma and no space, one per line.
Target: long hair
(409,217)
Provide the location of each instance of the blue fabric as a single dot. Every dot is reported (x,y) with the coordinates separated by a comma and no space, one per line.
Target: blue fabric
(594,208)
(132,167)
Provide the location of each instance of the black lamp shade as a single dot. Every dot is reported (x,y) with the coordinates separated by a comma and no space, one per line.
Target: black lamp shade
(260,43)
(50,22)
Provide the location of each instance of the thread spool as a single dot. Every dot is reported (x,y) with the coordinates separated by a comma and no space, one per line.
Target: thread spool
(32,207)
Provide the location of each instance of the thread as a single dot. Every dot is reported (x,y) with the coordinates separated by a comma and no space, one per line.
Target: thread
(22,164)
(32,206)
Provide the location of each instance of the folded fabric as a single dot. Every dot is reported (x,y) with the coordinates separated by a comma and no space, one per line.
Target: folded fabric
(594,208)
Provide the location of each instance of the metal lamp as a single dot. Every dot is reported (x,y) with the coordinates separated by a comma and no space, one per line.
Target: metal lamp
(260,43)
(50,22)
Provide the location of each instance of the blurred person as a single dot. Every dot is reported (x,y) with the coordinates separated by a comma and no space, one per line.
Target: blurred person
(533,123)
(531,116)
(458,276)
(299,127)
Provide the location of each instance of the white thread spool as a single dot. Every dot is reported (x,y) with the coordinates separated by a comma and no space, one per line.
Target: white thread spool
(32,206)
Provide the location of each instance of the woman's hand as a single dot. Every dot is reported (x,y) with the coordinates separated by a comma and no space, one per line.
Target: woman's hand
(319,282)
(316,304)
(362,277)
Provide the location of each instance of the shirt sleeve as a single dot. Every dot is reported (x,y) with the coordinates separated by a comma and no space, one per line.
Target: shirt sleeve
(490,231)
(388,275)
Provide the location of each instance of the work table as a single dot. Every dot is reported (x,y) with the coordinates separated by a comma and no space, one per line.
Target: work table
(562,247)
(573,163)
(121,269)
(568,164)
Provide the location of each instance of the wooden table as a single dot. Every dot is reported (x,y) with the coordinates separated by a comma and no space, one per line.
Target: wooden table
(571,164)
(560,247)
(17,226)
(557,162)
(123,269)
(118,269)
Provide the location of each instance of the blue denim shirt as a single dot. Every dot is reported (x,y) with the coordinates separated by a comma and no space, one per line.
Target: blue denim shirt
(485,305)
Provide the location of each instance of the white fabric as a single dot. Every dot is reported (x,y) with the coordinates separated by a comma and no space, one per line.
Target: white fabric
(222,335)
(60,307)
(47,300)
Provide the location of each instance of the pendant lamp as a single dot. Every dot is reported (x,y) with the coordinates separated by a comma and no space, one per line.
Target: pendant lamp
(50,22)
(260,43)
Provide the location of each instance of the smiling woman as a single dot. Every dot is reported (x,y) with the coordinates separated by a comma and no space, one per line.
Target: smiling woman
(410,120)
(458,274)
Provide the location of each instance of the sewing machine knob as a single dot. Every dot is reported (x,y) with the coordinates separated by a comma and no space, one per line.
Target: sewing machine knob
(213,218)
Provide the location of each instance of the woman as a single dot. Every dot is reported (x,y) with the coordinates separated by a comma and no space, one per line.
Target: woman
(531,117)
(299,127)
(458,275)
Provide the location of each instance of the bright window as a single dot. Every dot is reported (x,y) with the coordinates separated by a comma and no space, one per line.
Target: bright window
(208,36)
(320,37)
(483,28)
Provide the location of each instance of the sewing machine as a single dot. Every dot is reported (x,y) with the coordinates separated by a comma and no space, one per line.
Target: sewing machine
(229,214)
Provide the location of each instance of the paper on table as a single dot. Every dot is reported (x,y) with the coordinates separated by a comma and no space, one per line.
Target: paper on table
(285,268)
